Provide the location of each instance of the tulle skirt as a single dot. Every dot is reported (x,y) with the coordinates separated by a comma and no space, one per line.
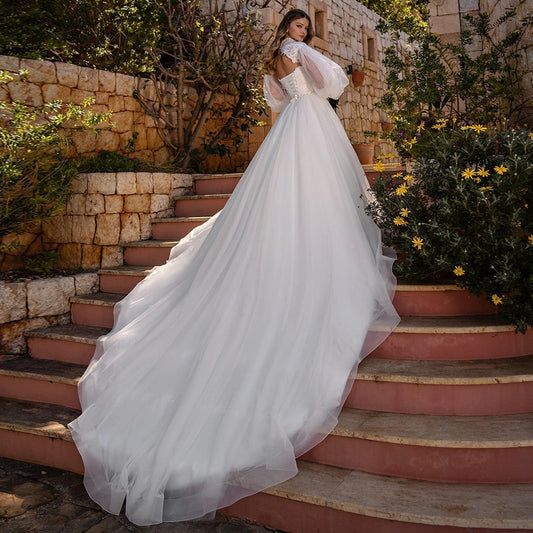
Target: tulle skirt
(235,357)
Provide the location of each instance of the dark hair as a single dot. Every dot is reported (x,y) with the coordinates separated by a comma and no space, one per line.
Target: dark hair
(281,34)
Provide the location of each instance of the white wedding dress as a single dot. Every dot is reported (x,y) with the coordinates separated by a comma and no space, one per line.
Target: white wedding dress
(236,356)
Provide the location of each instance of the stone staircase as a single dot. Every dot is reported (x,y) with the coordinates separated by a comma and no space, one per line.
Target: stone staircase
(436,435)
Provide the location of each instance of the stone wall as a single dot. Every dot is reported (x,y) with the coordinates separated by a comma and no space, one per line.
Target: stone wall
(105,210)
(31,304)
(49,81)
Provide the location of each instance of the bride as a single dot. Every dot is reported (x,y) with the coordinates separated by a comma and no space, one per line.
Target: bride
(235,357)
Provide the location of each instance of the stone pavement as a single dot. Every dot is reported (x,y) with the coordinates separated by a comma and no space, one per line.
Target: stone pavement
(36,499)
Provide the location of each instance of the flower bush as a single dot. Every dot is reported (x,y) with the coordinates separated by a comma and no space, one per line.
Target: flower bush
(463,213)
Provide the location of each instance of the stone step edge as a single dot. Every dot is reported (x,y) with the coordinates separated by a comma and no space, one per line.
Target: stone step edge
(217,176)
(149,243)
(203,197)
(516,424)
(363,374)
(168,220)
(385,485)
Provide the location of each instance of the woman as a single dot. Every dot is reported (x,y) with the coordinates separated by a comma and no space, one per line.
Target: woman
(236,356)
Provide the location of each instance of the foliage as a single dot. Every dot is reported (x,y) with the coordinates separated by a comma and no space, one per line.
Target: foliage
(464,212)
(107,34)
(431,79)
(409,16)
(207,67)
(34,175)
(42,263)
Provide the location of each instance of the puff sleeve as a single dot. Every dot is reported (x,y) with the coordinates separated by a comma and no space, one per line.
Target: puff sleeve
(328,78)
(275,96)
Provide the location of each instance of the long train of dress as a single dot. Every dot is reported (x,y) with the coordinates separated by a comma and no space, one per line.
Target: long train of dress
(235,357)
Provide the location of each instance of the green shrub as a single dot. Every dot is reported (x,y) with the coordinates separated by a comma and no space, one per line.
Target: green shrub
(35,176)
(432,79)
(107,34)
(464,212)
(107,161)
(42,263)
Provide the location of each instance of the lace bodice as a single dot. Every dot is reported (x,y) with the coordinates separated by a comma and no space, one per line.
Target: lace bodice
(296,84)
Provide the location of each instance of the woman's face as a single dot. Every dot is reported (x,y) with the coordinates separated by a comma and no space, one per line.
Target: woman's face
(298,29)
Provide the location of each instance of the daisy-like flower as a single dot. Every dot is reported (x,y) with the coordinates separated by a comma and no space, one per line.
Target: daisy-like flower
(489,188)
(477,179)
(408,178)
(397,175)
(401,189)
(438,126)
(478,128)
(404,212)
(399,221)
(459,271)
(417,242)
(379,167)
(482,172)
(464,128)
(501,169)
(496,300)
(420,127)
(530,239)
(531,134)
(468,173)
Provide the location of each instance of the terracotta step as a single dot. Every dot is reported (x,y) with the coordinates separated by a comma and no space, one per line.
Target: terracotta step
(200,205)
(37,433)
(94,309)
(479,387)
(448,449)
(147,253)
(319,499)
(216,183)
(473,449)
(37,380)
(175,228)
(71,343)
(122,279)
(439,300)
(455,338)
(326,499)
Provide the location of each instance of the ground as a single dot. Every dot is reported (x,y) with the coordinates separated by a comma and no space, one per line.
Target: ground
(34,498)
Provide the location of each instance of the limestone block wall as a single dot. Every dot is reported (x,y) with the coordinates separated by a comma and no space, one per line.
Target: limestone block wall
(105,210)
(49,81)
(30,304)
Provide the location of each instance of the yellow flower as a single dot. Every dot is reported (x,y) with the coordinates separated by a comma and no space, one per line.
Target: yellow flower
(477,180)
(482,172)
(401,189)
(531,134)
(399,221)
(379,167)
(438,126)
(417,242)
(496,300)
(404,212)
(468,173)
(408,178)
(501,169)
(478,128)
(464,128)
(459,271)
(397,175)
(489,188)
(420,127)
(530,239)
